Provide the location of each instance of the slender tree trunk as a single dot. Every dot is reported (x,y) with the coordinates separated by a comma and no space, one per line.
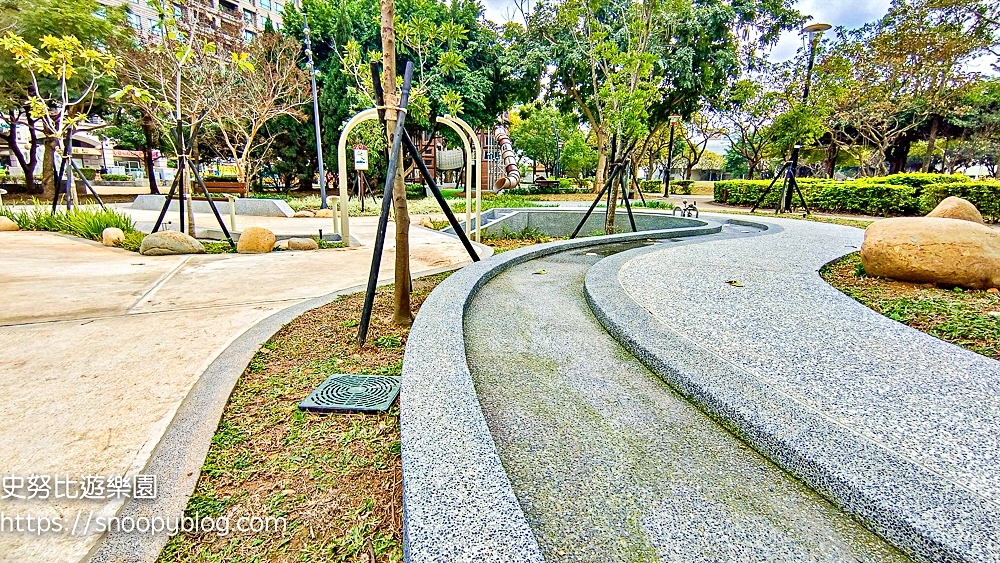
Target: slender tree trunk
(49,165)
(602,161)
(613,192)
(401,314)
(930,146)
(27,164)
(832,152)
(147,151)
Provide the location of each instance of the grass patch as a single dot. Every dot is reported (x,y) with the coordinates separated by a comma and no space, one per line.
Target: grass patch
(859,223)
(337,479)
(507,239)
(967,318)
(85,222)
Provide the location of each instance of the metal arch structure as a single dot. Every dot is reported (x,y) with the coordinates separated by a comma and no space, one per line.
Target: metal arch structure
(472,169)
(345,227)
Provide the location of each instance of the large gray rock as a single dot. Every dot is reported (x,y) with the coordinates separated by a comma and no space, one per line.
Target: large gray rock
(170,242)
(8,225)
(302,244)
(112,236)
(951,252)
(255,240)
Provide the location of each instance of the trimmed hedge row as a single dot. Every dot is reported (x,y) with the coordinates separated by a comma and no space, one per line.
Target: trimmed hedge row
(900,194)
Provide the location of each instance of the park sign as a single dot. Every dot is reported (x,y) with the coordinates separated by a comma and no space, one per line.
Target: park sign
(360,157)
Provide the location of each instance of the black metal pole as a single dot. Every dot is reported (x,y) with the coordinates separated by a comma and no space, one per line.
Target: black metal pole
(628,207)
(166,205)
(670,162)
(791,183)
(600,196)
(383,222)
(763,194)
(315,103)
(87,184)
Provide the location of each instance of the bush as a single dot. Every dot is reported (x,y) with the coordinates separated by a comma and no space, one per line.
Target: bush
(89,173)
(84,222)
(899,194)
(681,186)
(415,191)
(133,240)
(219,178)
(651,186)
(116,178)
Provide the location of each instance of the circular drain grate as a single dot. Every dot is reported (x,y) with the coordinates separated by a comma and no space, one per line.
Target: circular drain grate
(347,392)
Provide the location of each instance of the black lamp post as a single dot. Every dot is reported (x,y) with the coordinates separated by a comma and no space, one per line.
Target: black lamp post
(670,156)
(813,33)
(559,146)
(319,138)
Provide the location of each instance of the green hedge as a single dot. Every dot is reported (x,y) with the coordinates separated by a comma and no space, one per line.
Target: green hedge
(116,178)
(89,173)
(218,178)
(900,194)
(651,186)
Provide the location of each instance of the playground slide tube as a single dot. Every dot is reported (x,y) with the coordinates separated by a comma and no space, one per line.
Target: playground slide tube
(509,160)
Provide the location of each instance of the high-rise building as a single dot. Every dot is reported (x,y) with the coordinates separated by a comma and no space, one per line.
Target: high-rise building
(236,18)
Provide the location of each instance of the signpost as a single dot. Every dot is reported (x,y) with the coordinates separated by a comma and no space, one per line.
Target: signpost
(361,164)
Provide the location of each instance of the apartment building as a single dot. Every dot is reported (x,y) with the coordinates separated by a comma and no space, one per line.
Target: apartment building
(238,18)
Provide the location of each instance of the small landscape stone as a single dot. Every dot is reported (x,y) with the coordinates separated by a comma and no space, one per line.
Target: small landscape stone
(324,213)
(993,290)
(281,245)
(8,225)
(255,240)
(165,243)
(302,244)
(305,213)
(426,222)
(957,208)
(112,236)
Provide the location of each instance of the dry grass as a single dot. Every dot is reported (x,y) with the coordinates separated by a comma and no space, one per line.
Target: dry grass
(970,319)
(337,479)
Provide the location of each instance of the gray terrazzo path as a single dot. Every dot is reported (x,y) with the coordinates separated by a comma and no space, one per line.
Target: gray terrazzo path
(897,427)
(606,461)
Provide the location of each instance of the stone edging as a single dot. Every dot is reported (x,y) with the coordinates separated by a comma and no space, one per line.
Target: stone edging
(458,504)
(178,457)
(905,503)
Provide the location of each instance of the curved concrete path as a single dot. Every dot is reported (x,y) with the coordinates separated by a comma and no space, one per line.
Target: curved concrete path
(607,462)
(99,348)
(895,426)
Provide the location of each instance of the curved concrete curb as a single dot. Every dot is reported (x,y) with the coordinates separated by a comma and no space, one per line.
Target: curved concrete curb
(906,503)
(178,458)
(458,504)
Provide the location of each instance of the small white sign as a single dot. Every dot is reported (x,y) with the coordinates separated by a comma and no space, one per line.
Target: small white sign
(361,159)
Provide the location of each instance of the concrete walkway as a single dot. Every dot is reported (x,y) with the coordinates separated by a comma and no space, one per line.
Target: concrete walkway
(608,463)
(895,426)
(99,346)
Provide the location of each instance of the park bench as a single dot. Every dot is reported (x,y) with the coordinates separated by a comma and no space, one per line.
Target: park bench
(545,183)
(238,189)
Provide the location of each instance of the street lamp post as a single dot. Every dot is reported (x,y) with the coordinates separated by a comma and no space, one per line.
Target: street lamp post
(559,146)
(319,138)
(670,156)
(813,32)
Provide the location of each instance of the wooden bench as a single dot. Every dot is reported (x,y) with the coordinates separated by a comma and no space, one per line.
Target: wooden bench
(546,183)
(238,189)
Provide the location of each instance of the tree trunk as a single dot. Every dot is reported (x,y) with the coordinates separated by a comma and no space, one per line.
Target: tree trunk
(609,220)
(930,146)
(602,161)
(751,168)
(830,164)
(401,314)
(147,151)
(49,165)
(27,164)
(687,171)
(897,155)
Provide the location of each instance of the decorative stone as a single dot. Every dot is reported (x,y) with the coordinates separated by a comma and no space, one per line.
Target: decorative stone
(255,240)
(957,208)
(164,243)
(8,225)
(951,252)
(302,244)
(324,213)
(426,222)
(305,213)
(281,245)
(112,236)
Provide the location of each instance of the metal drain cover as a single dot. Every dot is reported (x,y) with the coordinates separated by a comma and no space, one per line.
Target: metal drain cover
(345,392)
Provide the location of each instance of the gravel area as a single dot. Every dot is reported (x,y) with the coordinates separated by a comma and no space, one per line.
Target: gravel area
(607,462)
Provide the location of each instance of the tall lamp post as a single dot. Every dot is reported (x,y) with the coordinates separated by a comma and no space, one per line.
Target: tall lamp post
(559,146)
(674,118)
(813,33)
(319,138)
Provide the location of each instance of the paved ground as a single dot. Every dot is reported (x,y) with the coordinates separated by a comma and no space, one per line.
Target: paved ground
(898,426)
(99,346)
(607,462)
